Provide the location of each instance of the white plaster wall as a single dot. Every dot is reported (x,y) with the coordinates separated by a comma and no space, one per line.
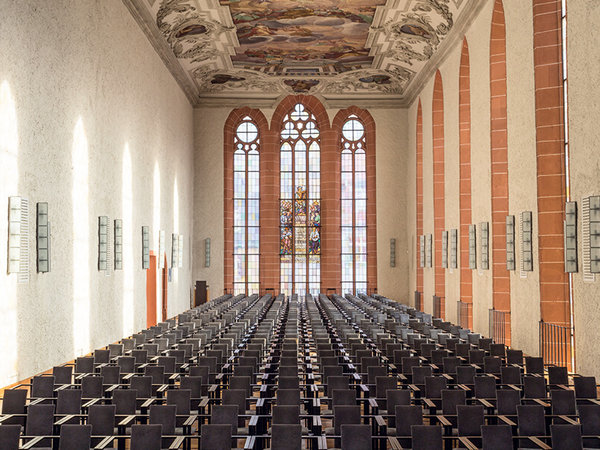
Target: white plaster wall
(63,62)
(391,167)
(584,135)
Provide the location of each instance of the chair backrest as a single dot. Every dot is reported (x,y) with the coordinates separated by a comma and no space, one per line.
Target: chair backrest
(563,402)
(225,415)
(558,375)
(243,371)
(450,364)
(585,387)
(84,364)
(288,397)
(101,356)
(451,398)
(75,437)
(589,417)
(496,437)
(286,437)
(182,399)
(92,387)
(345,414)
(14,401)
(566,437)
(42,386)
(200,371)
(192,383)
(62,374)
(465,375)
(68,401)
(426,437)
(384,384)
(534,365)
(485,387)
(434,386)
(238,382)
(102,419)
(337,382)
(124,400)
(534,387)
(510,375)
(165,416)
(356,437)
(507,401)
(492,364)
(375,371)
(498,350)
(531,420)
(470,419)
(40,419)
(343,397)
(111,374)
(142,385)
(126,363)
(419,373)
(407,416)
(514,356)
(9,436)
(288,382)
(157,373)
(215,437)
(409,363)
(146,437)
(235,397)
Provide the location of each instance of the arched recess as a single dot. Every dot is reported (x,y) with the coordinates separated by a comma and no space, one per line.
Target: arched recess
(369,123)
(439,206)
(464,120)
(329,190)
(499,163)
(233,120)
(419,194)
(551,173)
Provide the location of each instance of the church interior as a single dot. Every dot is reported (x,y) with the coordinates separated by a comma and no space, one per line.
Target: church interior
(294,224)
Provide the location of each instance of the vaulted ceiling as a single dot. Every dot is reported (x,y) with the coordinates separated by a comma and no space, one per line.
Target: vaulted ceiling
(371,49)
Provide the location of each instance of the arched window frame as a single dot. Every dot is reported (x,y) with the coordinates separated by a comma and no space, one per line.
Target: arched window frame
(353,201)
(300,202)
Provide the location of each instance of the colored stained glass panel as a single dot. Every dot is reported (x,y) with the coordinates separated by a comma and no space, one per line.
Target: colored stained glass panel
(300,241)
(286,241)
(253,213)
(239,212)
(300,212)
(361,240)
(314,241)
(314,213)
(285,213)
(361,213)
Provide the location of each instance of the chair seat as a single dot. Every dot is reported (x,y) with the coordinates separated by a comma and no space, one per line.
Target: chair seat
(304,430)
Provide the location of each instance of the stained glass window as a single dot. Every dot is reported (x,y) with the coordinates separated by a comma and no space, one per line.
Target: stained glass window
(354,207)
(246,190)
(300,203)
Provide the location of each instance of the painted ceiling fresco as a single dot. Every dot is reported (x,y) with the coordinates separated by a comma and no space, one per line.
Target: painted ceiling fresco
(291,31)
(332,47)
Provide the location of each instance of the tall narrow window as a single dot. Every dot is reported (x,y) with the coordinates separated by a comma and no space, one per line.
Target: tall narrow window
(354,207)
(246,229)
(300,204)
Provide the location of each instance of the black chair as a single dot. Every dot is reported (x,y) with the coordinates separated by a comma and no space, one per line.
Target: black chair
(356,437)
(146,437)
(62,374)
(215,437)
(496,437)
(343,414)
(111,374)
(510,375)
(470,419)
(92,387)
(395,397)
(531,420)
(405,417)
(465,375)
(485,387)
(164,415)
(286,437)
(42,386)
(534,365)
(558,375)
(40,420)
(507,401)
(534,387)
(75,437)
(9,436)
(563,403)
(69,402)
(589,418)
(14,403)
(102,420)
(566,437)
(426,437)
(585,388)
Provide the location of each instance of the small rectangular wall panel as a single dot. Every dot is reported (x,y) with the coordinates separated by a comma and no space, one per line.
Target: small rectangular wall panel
(429,251)
(510,243)
(588,276)
(207,252)
(161,249)
(103,243)
(472,247)
(392,252)
(43,238)
(454,248)
(422,251)
(14,234)
(595,234)
(118,241)
(484,239)
(145,247)
(444,249)
(570,232)
(180,252)
(526,242)
(174,246)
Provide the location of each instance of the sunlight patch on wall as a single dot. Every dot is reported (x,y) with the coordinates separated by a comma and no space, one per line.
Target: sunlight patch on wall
(9,174)
(128,263)
(156,234)
(81,242)
(175,222)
